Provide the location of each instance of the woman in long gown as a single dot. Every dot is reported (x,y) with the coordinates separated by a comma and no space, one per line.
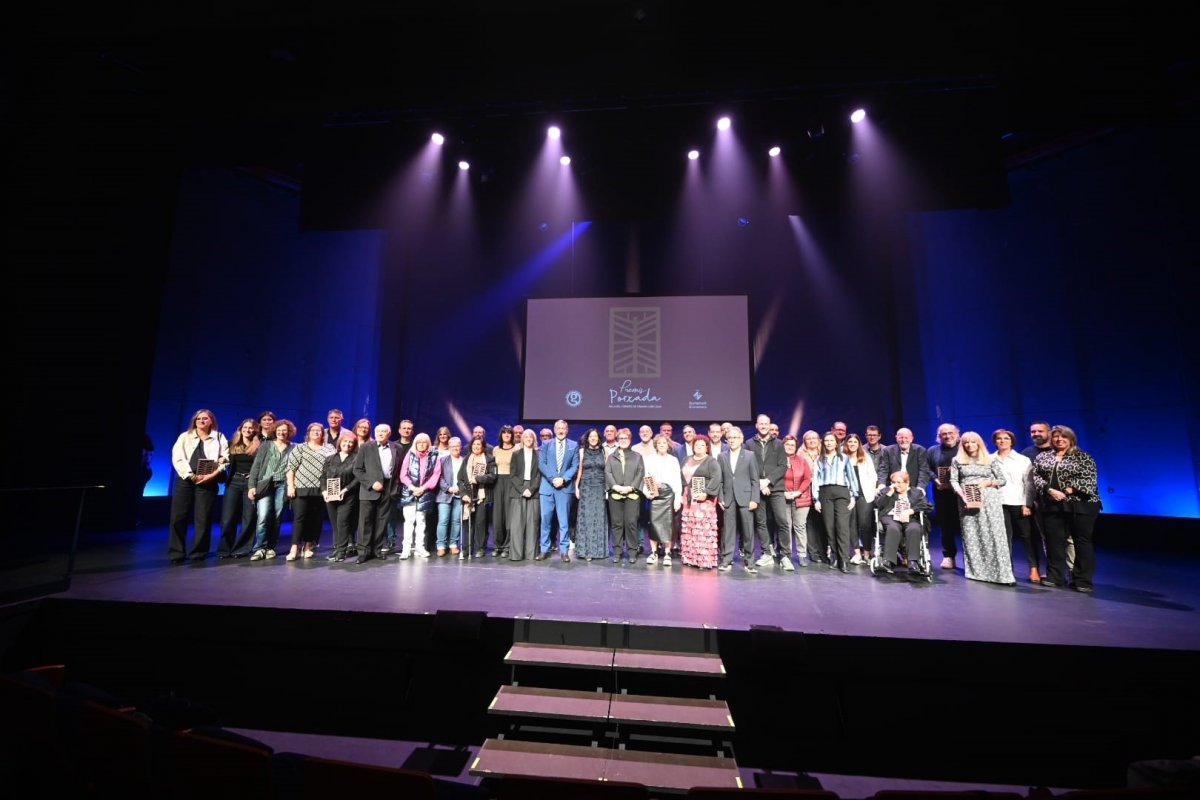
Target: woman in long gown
(591,525)
(985,541)
(698,537)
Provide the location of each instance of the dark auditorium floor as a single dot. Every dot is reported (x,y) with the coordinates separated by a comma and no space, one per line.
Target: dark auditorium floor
(1142,600)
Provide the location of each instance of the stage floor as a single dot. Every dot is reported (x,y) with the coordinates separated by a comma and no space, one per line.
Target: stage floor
(1142,600)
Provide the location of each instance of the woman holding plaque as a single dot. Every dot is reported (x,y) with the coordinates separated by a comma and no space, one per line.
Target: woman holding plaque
(200,457)
(524,504)
(664,487)
(699,544)
(306,491)
(236,505)
(339,489)
(1068,495)
(502,453)
(476,480)
(976,478)
(268,488)
(591,525)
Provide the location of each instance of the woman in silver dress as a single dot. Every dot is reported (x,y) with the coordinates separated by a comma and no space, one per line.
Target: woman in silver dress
(976,478)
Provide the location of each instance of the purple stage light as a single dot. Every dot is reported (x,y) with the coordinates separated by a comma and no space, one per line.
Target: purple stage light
(553,132)
(858,116)
(565,160)
(693,155)
(723,124)
(437,138)
(774,151)
(464,166)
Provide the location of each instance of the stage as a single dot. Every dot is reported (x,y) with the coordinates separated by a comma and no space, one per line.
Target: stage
(954,681)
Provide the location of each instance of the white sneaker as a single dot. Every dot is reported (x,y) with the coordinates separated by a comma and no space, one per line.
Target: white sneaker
(652,558)
(270,554)
(666,560)
(423,553)
(786,563)
(947,563)
(765,560)
(405,555)
(858,559)
(259,555)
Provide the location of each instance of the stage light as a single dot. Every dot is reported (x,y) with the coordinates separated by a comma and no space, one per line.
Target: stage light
(464,166)
(858,116)
(693,155)
(437,138)
(543,227)
(743,221)
(553,132)
(723,124)
(565,160)
(774,151)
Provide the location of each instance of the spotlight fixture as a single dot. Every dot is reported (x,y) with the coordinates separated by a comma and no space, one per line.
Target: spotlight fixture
(464,166)
(553,132)
(858,116)
(693,155)
(437,138)
(774,151)
(723,124)
(743,221)
(544,226)
(565,160)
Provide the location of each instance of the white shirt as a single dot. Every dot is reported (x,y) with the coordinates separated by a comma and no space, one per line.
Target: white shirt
(733,457)
(665,471)
(385,459)
(1019,471)
(530,457)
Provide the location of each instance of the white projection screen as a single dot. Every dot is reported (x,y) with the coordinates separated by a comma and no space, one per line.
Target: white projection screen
(623,359)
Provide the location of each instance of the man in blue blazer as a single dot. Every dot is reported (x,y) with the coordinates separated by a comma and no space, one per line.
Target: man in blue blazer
(558,461)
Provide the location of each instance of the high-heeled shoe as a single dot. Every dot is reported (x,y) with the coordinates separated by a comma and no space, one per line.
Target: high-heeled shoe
(307,554)
(291,556)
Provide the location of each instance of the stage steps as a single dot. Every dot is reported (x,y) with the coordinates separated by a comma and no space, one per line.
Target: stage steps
(669,772)
(697,730)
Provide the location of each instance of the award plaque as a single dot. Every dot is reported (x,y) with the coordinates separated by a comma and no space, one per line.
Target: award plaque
(944,477)
(973,495)
(903,510)
(651,486)
(333,487)
(206,466)
(698,485)
(478,468)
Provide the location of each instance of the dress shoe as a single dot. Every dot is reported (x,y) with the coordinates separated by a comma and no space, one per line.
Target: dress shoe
(540,557)
(1048,582)
(1034,576)
(845,570)
(362,559)
(1083,589)
(566,557)
(335,556)
(179,560)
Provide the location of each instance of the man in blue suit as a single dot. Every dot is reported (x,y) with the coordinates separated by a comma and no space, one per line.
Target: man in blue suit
(558,461)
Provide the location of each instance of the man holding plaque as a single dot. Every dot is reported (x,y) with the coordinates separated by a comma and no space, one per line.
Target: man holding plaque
(945,501)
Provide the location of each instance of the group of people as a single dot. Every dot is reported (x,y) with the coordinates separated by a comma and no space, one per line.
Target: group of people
(703,501)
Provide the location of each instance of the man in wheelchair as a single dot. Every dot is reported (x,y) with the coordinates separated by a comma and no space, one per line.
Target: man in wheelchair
(903,509)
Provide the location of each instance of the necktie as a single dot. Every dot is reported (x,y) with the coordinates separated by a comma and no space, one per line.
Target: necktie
(560,454)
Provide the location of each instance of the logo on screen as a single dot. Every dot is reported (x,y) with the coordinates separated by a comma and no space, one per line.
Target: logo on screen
(635,342)
(697,396)
(574,398)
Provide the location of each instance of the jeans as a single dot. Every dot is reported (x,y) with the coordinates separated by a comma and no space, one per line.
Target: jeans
(270,517)
(449,524)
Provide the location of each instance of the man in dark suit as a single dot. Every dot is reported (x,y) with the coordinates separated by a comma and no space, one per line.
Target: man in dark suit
(739,498)
(772,466)
(558,461)
(377,468)
(903,455)
(624,472)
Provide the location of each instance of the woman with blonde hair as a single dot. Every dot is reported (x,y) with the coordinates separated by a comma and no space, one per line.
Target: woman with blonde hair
(976,478)
(200,457)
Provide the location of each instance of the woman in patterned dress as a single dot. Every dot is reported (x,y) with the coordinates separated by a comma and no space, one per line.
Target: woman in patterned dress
(591,526)
(985,539)
(698,538)
(306,464)
(1068,494)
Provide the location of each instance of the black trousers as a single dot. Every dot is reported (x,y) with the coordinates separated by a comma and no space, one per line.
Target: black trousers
(308,517)
(623,516)
(739,524)
(835,508)
(818,538)
(892,532)
(948,520)
(780,521)
(477,520)
(1017,524)
(343,517)
(373,518)
(862,525)
(500,522)
(187,498)
(235,506)
(1079,526)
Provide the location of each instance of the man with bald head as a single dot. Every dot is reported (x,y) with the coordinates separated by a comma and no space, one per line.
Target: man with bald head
(945,499)
(903,455)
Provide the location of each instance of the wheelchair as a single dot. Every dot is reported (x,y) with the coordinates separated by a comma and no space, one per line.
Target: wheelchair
(922,560)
